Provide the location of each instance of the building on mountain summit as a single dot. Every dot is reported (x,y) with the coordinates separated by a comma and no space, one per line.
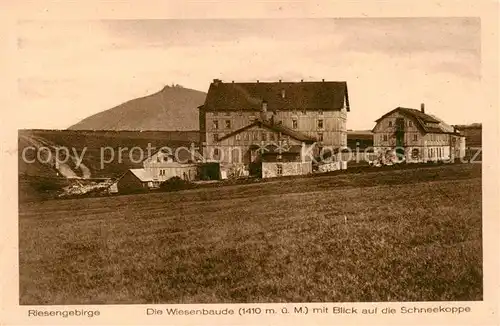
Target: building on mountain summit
(258,128)
(419,136)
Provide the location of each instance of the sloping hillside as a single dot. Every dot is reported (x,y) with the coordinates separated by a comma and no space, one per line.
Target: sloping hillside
(472,133)
(172,108)
(97,152)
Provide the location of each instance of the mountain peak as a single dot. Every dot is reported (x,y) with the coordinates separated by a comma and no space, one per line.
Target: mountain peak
(172,108)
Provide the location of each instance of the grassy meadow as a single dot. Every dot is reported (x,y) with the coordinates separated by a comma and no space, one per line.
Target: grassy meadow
(403,235)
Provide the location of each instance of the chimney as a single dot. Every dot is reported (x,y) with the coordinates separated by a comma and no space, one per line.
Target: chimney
(422,108)
(280,80)
(301,80)
(257,81)
(263,111)
(217,81)
(323,80)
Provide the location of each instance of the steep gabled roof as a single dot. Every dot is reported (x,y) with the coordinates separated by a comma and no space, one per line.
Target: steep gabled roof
(411,112)
(426,122)
(276,127)
(142,174)
(326,95)
(182,156)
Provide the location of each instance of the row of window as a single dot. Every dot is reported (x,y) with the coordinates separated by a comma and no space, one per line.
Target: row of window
(319,124)
(386,137)
(295,124)
(263,136)
(432,137)
(410,123)
(440,137)
(303,112)
(227,124)
(436,152)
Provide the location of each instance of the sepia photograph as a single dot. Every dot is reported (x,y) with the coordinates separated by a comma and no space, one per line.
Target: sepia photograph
(226,161)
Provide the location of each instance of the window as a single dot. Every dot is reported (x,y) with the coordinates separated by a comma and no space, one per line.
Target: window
(271,136)
(215,113)
(228,124)
(238,136)
(304,112)
(390,123)
(414,153)
(279,169)
(320,136)
(294,124)
(246,136)
(215,124)
(227,113)
(216,152)
(263,136)
(385,137)
(320,124)
(256,135)
(216,137)
(415,137)
(320,112)
(410,124)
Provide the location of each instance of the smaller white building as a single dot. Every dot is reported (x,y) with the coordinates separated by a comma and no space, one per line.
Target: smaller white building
(157,168)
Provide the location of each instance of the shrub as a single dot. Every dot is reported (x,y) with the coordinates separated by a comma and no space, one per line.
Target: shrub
(175,183)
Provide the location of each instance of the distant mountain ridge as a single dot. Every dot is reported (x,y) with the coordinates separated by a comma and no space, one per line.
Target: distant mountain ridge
(172,108)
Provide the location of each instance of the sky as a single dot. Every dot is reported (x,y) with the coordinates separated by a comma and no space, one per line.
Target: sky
(69,70)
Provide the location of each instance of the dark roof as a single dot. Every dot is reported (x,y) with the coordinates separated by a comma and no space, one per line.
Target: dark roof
(276,127)
(422,119)
(326,95)
(412,112)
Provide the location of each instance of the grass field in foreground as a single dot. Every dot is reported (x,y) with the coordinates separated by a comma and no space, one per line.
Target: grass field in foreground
(409,235)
